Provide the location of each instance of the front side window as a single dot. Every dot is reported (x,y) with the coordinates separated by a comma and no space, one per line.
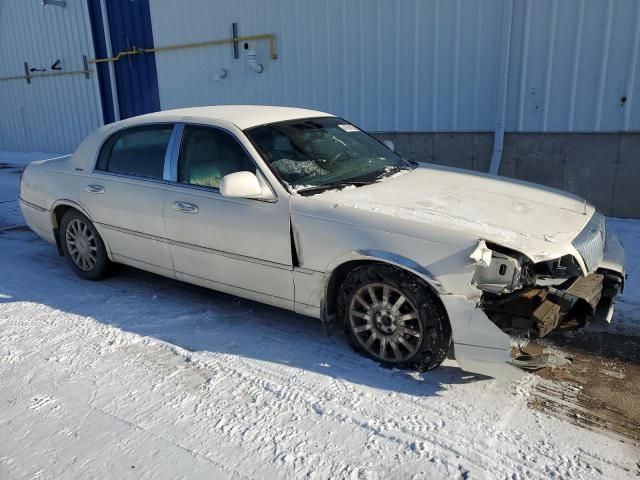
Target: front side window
(137,151)
(207,154)
(316,153)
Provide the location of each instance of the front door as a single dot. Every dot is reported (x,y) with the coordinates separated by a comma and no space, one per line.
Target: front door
(236,245)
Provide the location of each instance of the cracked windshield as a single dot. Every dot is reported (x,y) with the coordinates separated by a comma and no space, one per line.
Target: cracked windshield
(312,155)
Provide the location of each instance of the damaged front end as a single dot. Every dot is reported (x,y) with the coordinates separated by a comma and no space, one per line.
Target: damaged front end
(519,297)
(518,294)
(541,309)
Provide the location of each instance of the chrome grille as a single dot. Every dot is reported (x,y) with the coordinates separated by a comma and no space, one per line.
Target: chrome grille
(590,241)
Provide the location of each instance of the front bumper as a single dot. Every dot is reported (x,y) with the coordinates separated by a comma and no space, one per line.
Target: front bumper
(613,258)
(541,309)
(592,296)
(612,267)
(482,346)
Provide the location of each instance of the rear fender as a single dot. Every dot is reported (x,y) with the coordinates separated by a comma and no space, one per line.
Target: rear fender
(67,203)
(85,212)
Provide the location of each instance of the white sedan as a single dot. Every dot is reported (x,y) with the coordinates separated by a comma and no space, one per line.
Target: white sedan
(305,211)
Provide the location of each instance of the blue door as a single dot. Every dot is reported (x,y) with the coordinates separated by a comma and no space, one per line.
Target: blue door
(136,76)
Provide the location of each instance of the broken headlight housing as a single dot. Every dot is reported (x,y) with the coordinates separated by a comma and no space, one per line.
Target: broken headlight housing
(501,271)
(504,273)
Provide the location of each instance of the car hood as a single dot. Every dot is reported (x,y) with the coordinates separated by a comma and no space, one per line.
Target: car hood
(535,220)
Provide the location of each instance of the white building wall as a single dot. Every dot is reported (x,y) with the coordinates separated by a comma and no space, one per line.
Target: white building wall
(51,114)
(572,63)
(414,65)
(407,65)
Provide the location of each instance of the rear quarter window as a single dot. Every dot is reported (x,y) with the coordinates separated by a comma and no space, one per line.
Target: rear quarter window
(137,151)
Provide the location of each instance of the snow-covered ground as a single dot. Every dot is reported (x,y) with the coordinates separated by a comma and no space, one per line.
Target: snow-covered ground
(627,315)
(10,166)
(143,377)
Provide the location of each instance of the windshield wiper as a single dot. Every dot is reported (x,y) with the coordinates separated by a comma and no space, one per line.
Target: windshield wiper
(329,186)
(392,171)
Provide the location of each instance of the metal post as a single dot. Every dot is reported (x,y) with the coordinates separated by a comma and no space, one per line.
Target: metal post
(112,70)
(234,34)
(85,63)
(503,78)
(27,72)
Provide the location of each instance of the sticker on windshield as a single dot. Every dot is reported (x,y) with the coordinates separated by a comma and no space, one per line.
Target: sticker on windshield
(348,128)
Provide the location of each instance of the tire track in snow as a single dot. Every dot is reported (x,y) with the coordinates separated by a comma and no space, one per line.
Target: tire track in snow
(227,470)
(453,446)
(452,443)
(274,382)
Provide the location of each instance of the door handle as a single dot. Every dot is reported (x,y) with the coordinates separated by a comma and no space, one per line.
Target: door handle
(95,188)
(185,207)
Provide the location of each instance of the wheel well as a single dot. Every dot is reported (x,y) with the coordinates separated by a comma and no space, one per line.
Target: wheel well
(56,218)
(335,282)
(341,272)
(58,212)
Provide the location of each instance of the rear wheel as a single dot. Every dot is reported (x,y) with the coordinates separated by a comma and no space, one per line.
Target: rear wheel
(82,246)
(393,317)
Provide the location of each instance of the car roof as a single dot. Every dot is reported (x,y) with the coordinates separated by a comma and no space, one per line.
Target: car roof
(242,116)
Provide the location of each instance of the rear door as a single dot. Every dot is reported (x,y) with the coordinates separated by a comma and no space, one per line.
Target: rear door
(236,245)
(125,196)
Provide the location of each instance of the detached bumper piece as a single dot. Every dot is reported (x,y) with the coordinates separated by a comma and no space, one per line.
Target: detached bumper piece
(543,309)
(571,306)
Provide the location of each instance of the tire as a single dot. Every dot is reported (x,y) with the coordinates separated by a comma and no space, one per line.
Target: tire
(82,246)
(415,330)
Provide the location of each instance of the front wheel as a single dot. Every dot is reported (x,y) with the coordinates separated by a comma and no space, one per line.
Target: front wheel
(82,246)
(393,317)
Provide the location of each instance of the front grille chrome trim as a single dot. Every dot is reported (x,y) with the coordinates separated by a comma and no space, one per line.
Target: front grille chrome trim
(590,242)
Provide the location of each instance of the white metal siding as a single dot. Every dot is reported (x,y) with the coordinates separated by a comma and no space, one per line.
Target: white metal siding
(54,113)
(408,65)
(413,65)
(572,62)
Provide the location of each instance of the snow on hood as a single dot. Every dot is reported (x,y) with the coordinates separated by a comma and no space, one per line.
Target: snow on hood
(535,220)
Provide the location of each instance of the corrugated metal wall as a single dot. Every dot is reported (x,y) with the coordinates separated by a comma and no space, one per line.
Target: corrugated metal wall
(388,65)
(50,114)
(414,65)
(408,65)
(574,66)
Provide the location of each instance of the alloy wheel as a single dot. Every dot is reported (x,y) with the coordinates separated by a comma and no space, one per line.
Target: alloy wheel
(385,322)
(81,244)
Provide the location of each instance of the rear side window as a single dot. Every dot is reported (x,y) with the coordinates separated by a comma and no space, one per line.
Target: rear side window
(208,154)
(137,151)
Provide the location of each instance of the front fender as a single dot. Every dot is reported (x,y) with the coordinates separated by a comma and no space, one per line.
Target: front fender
(392,259)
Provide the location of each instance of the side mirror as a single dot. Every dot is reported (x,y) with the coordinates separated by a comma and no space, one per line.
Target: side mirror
(389,144)
(245,185)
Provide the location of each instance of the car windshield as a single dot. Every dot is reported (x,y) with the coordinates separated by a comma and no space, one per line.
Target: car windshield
(313,154)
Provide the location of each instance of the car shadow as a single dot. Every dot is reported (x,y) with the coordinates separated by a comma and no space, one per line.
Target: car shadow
(201,320)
